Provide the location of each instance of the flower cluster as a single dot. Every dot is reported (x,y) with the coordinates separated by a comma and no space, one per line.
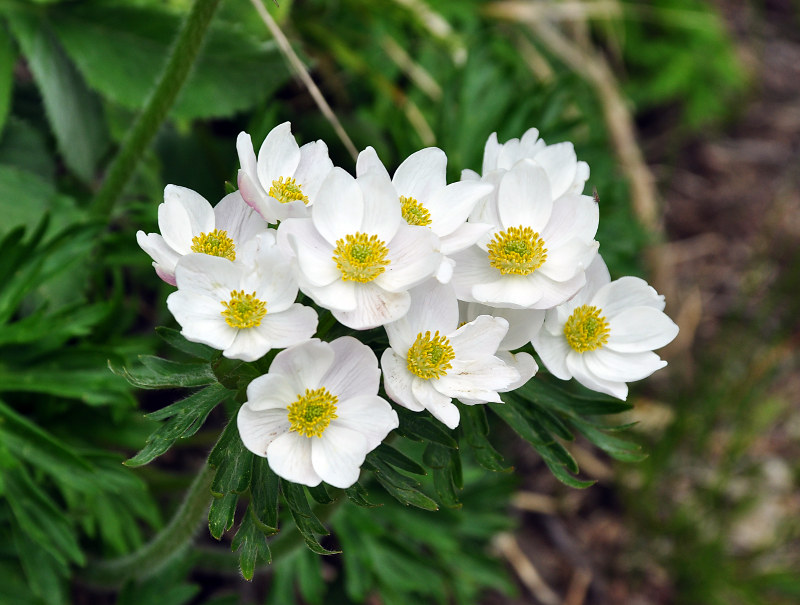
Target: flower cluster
(459,276)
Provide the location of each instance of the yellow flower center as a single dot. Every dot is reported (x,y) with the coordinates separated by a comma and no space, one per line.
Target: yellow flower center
(586,329)
(414,213)
(517,250)
(430,356)
(215,243)
(287,191)
(243,310)
(311,414)
(360,257)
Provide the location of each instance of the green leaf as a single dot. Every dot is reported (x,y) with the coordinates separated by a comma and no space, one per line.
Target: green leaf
(185,418)
(160,373)
(401,487)
(221,513)
(358,496)
(252,543)
(174,338)
(46,574)
(233,461)
(307,523)
(265,494)
(396,458)
(320,494)
(25,197)
(6,76)
(62,325)
(615,447)
(475,429)
(419,428)
(585,403)
(121,51)
(74,112)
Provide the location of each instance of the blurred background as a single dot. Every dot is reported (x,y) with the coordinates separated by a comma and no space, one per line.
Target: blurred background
(688,113)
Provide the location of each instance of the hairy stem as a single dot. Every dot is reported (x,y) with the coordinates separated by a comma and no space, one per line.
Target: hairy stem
(184,53)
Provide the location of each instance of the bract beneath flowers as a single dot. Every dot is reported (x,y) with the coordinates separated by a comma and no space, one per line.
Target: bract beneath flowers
(316,414)
(605,336)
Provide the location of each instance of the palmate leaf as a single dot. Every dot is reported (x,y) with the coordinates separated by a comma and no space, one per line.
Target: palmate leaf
(233,461)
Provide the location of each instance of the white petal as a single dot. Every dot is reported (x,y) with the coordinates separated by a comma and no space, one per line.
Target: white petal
(523,363)
(278,156)
(451,205)
(210,275)
(530,144)
(573,216)
(553,350)
(491,152)
(338,454)
(368,160)
(272,391)
(624,293)
(479,338)
(413,257)
(382,214)
(164,257)
(433,307)
(445,271)
(561,164)
(289,456)
(338,296)
(564,262)
(258,429)
(183,215)
(247,155)
(472,267)
(290,327)
(373,307)
(514,291)
(372,416)
(354,371)
(240,220)
(255,197)
(622,367)
(640,329)
(441,406)
(314,167)
(477,381)
(201,319)
(305,364)
(524,198)
(581,373)
(339,208)
(314,254)
(581,176)
(555,293)
(597,276)
(248,345)
(422,174)
(523,324)
(463,237)
(397,381)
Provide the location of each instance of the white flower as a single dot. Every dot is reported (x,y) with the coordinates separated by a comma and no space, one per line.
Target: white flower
(536,255)
(523,325)
(356,256)
(286,178)
(427,200)
(316,414)
(243,308)
(605,336)
(432,360)
(189,224)
(565,172)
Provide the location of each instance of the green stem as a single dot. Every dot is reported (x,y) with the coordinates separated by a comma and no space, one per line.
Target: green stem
(184,53)
(165,545)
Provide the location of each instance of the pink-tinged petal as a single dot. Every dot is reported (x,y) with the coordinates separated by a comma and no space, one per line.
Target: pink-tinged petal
(433,307)
(165,275)
(278,156)
(397,381)
(422,174)
(304,364)
(210,275)
(566,261)
(553,350)
(640,329)
(339,208)
(624,293)
(338,454)
(477,381)
(368,161)
(289,456)
(574,216)
(413,257)
(441,406)
(374,307)
(578,369)
(313,253)
(290,327)
(314,167)
(555,293)
(272,391)
(370,415)
(354,371)
(524,198)
(183,215)
(382,215)
(491,151)
(512,291)
(478,338)
(258,429)
(255,197)
(622,367)
(247,154)
(561,164)
(523,363)
(238,218)
(249,344)
(463,237)
(201,319)
(164,257)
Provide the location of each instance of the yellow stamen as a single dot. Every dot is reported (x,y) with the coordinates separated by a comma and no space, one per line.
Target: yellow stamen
(287,191)
(586,329)
(414,213)
(311,414)
(360,257)
(517,250)
(215,243)
(430,356)
(243,310)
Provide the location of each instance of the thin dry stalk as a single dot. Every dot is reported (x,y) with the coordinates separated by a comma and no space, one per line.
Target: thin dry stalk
(302,73)
(508,547)
(531,12)
(535,503)
(418,74)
